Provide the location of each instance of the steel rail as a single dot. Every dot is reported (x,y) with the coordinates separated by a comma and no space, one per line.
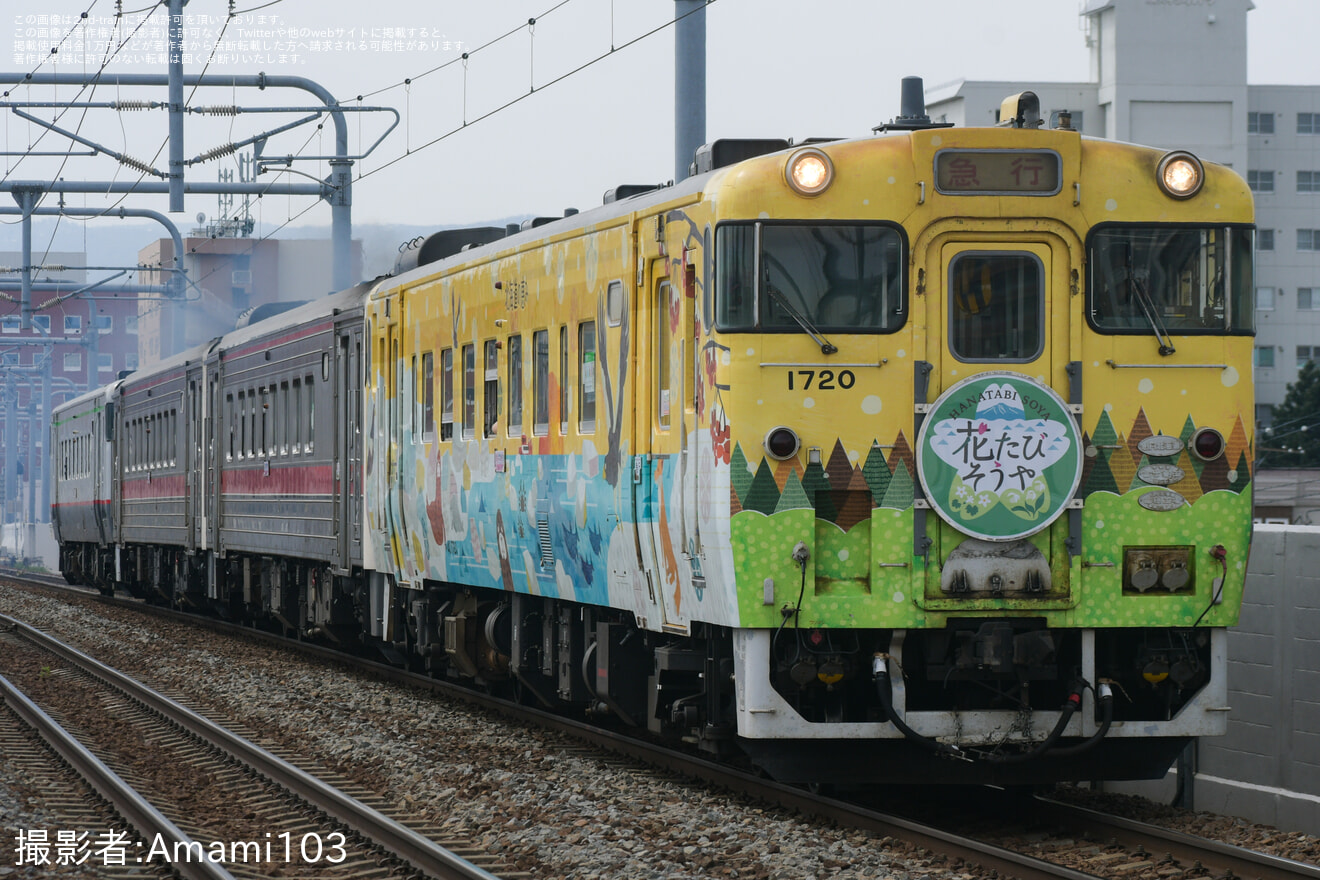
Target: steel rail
(417,850)
(948,844)
(136,809)
(1221,858)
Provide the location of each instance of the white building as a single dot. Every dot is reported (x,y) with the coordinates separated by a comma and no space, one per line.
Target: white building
(1173,74)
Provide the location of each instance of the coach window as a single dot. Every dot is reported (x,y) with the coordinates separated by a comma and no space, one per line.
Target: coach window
(447,394)
(295,419)
(587,377)
(469,390)
(664,339)
(309,387)
(283,406)
(266,436)
(515,428)
(996,307)
(541,382)
(490,401)
(428,395)
(416,399)
(564,361)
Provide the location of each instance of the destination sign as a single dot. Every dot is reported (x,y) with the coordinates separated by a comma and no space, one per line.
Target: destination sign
(998,172)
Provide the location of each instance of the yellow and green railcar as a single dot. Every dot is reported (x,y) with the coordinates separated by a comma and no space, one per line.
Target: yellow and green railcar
(856,455)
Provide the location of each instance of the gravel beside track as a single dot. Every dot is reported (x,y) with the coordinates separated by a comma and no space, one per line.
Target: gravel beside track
(542,803)
(548,806)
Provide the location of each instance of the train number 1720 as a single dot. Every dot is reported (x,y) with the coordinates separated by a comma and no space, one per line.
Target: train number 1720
(825,380)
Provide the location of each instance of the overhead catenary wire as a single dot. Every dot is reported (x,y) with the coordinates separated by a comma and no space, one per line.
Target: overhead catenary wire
(520,98)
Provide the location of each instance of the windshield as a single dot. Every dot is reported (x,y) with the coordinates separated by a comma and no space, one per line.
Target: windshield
(801,277)
(1171,280)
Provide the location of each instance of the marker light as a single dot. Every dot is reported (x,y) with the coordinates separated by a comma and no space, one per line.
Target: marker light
(1180,175)
(809,172)
(1207,444)
(782,443)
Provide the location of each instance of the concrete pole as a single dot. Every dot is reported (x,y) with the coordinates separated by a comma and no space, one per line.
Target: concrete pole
(175,75)
(689,83)
(27,203)
(11,494)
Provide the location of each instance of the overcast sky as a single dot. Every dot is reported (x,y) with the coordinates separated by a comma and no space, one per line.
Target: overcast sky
(776,69)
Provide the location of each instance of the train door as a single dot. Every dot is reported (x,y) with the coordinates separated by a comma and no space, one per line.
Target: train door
(215,425)
(348,448)
(661,473)
(392,367)
(194,492)
(998,450)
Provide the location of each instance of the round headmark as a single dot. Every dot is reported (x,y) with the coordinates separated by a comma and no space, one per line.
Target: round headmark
(999,456)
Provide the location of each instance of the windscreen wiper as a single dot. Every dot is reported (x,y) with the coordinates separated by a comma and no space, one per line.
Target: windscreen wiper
(1149,310)
(826,347)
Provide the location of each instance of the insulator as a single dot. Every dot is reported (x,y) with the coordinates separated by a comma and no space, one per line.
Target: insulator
(218,152)
(217,110)
(51,268)
(133,105)
(137,165)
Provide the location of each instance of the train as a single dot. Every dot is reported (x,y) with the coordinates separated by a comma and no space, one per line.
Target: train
(917,457)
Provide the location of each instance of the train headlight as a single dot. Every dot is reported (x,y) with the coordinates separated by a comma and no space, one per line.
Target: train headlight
(782,443)
(1207,444)
(809,172)
(1180,175)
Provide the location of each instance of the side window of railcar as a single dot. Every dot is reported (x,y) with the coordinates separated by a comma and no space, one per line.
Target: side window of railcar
(490,401)
(309,396)
(541,382)
(285,426)
(295,418)
(416,398)
(469,390)
(229,420)
(564,361)
(791,276)
(447,394)
(1175,279)
(587,377)
(996,307)
(515,386)
(428,395)
(265,441)
(664,339)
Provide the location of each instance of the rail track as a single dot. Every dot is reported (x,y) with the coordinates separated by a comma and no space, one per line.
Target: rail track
(200,773)
(1077,843)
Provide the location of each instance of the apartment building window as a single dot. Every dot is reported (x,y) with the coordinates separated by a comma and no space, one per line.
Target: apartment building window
(42,323)
(130,323)
(1260,123)
(1261,181)
(1308,239)
(131,361)
(12,323)
(10,359)
(1308,298)
(104,323)
(72,325)
(1264,299)
(73,361)
(1307,353)
(1308,181)
(105,363)
(1308,123)
(1264,239)
(1264,356)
